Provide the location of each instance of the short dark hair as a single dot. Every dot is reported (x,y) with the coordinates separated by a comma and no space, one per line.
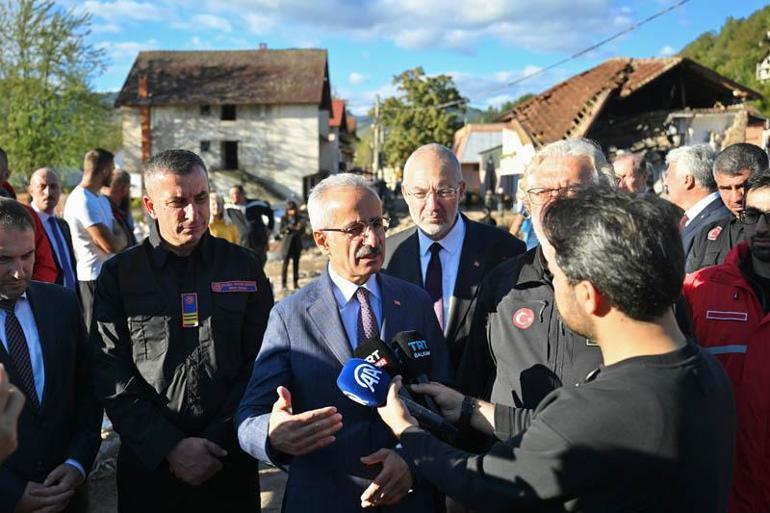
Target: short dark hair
(627,246)
(120,178)
(180,162)
(95,160)
(737,157)
(15,215)
(758,181)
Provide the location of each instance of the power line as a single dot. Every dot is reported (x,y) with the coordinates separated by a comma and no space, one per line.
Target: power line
(623,32)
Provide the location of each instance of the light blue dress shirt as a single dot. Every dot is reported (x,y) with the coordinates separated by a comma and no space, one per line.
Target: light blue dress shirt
(347,304)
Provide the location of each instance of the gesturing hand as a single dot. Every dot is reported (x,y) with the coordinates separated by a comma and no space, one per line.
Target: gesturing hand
(391,484)
(195,460)
(302,433)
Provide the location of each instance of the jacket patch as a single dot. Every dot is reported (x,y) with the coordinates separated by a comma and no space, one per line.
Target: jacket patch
(714,233)
(234,286)
(523,318)
(716,315)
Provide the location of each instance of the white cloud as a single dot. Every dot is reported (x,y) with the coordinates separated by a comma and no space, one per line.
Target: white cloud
(126,49)
(356,78)
(258,24)
(209,21)
(124,10)
(667,51)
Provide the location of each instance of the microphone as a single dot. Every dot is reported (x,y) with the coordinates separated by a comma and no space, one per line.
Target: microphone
(416,360)
(377,352)
(368,385)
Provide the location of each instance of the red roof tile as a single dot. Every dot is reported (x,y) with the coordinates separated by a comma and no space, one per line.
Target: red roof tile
(338,111)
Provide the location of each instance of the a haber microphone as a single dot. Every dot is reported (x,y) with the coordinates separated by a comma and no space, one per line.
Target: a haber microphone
(415,360)
(367,385)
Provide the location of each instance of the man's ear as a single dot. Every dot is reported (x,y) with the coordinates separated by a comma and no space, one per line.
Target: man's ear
(590,299)
(689,182)
(149,206)
(321,241)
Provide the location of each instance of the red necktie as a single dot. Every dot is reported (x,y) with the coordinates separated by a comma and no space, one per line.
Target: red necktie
(683,222)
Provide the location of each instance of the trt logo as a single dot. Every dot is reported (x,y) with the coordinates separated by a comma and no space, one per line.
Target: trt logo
(418,346)
(374,357)
(367,376)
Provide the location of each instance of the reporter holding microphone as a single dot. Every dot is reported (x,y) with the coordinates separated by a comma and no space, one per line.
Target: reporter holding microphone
(652,429)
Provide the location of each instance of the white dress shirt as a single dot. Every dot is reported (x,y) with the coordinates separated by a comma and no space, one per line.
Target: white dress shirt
(451,249)
(348,306)
(26,318)
(696,209)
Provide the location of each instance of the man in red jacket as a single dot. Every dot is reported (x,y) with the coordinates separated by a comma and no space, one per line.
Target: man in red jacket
(730,310)
(45,267)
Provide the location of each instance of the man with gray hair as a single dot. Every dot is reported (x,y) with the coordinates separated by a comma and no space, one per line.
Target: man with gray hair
(445,252)
(733,167)
(631,172)
(293,412)
(178,321)
(520,350)
(689,184)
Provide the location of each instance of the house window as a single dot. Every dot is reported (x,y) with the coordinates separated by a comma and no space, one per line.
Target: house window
(205,146)
(228,112)
(205,110)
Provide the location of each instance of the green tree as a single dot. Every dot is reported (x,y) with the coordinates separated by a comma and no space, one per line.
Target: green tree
(427,109)
(363,150)
(735,51)
(49,114)
(492,114)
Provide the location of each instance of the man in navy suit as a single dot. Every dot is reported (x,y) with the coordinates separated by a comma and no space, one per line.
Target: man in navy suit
(44,347)
(690,185)
(45,191)
(342,456)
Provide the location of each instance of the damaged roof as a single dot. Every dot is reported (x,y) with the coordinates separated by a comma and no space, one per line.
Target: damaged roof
(295,76)
(570,108)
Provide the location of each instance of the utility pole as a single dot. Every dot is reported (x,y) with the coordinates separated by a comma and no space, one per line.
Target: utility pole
(376,140)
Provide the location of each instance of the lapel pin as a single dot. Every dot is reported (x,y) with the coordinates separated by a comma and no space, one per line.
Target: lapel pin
(397,302)
(476,264)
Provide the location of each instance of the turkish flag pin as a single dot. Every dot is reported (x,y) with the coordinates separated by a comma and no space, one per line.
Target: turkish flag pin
(523,318)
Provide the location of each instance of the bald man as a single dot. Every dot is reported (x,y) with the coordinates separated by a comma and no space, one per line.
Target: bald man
(446,253)
(45,190)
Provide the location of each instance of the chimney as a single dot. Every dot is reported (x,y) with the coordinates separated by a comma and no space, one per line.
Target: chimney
(144,91)
(263,46)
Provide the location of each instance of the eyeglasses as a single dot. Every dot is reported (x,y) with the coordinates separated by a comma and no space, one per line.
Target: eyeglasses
(442,192)
(358,229)
(540,195)
(752,215)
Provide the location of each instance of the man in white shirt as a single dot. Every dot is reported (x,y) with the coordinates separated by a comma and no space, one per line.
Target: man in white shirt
(45,191)
(690,185)
(95,234)
(44,348)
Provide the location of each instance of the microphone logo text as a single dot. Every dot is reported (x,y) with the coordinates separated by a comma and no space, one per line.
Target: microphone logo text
(419,348)
(367,376)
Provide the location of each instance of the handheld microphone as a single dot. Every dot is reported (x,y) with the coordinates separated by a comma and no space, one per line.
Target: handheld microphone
(416,360)
(377,352)
(368,385)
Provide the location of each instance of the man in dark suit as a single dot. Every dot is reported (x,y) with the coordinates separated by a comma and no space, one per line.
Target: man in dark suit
(465,250)
(341,456)
(44,347)
(45,191)
(690,185)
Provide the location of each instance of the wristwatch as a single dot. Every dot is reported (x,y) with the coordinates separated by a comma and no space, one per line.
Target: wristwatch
(466,412)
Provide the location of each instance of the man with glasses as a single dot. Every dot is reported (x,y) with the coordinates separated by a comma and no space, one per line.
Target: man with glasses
(445,252)
(733,167)
(292,413)
(519,349)
(730,309)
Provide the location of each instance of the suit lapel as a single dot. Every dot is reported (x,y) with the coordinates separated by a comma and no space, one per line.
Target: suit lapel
(392,303)
(469,274)
(411,259)
(324,314)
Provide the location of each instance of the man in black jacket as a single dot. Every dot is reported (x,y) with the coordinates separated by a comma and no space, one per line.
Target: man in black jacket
(44,348)
(179,321)
(465,250)
(247,216)
(733,167)
(650,430)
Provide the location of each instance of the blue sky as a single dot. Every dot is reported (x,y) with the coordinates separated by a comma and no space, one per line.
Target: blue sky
(483,44)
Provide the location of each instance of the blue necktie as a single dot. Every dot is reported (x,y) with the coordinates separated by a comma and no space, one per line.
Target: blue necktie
(61,252)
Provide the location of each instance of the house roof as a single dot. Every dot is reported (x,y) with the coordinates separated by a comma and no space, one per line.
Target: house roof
(227,77)
(474,138)
(338,113)
(570,108)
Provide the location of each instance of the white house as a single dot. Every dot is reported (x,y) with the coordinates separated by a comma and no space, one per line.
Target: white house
(264,112)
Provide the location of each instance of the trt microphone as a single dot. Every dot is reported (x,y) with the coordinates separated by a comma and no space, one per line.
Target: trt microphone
(416,360)
(366,384)
(376,352)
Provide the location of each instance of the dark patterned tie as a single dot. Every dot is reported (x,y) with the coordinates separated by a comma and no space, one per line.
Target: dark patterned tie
(683,222)
(19,352)
(433,282)
(367,322)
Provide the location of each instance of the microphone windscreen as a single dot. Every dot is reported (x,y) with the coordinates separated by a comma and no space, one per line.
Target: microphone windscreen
(416,352)
(363,383)
(376,352)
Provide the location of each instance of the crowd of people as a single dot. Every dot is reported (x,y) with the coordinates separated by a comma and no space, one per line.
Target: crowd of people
(614,361)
